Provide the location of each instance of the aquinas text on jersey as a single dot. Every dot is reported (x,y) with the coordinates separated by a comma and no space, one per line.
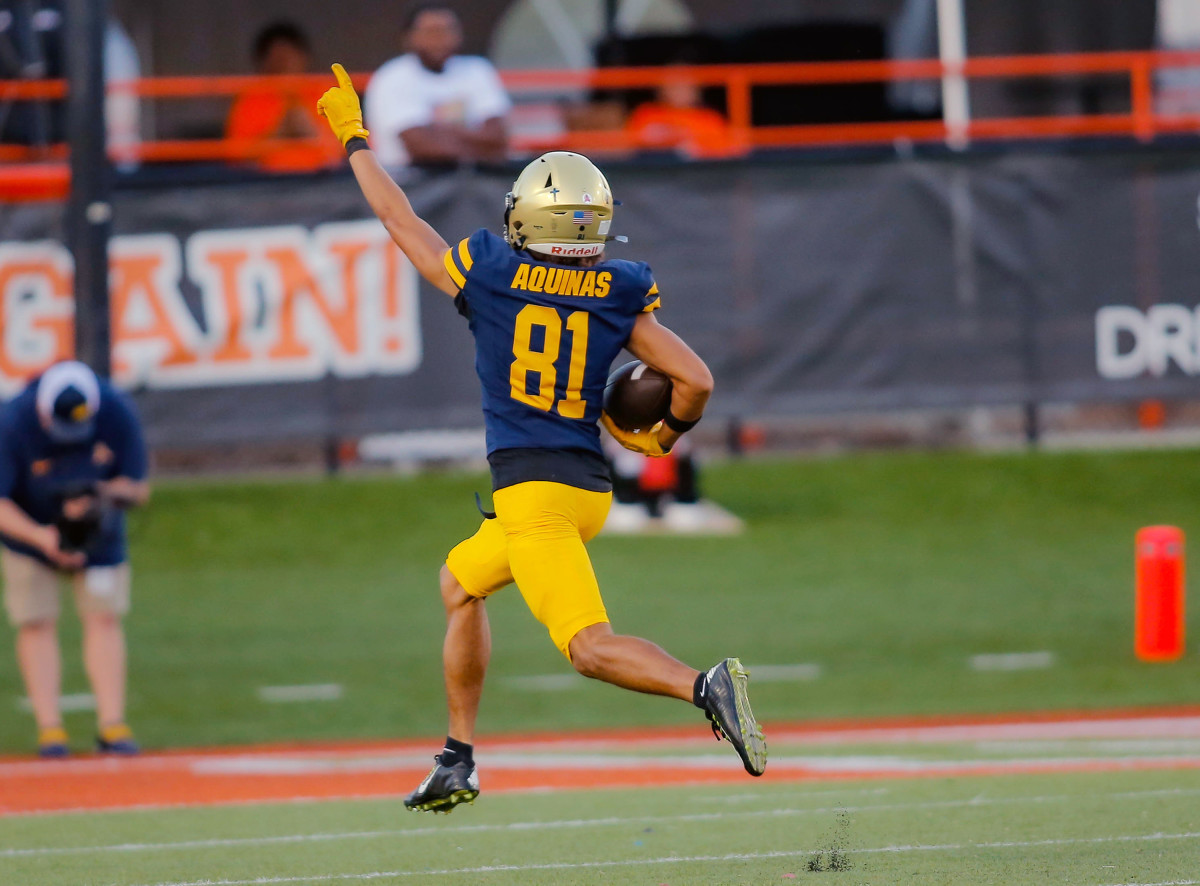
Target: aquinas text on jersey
(561,281)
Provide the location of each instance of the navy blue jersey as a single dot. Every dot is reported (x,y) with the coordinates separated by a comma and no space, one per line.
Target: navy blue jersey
(545,337)
(36,472)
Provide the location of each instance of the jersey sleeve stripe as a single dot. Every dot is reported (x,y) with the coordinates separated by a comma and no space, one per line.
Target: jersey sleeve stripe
(461,259)
(455,274)
(653,306)
(464,254)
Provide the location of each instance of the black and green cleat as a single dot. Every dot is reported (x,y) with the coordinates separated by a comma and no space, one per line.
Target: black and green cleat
(727,705)
(444,788)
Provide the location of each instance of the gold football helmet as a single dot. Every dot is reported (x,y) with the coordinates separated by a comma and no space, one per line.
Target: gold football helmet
(560,206)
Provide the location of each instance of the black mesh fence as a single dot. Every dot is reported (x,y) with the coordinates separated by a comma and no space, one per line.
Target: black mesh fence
(278,309)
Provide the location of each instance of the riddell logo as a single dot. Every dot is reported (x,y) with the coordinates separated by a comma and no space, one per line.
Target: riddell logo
(582,250)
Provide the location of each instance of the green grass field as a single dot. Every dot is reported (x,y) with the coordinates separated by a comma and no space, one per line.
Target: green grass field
(887,571)
(1094,830)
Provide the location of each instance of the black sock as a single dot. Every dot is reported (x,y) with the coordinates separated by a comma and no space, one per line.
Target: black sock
(457,752)
(698,690)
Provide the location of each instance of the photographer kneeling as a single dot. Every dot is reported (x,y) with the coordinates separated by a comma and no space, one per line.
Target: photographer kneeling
(72,458)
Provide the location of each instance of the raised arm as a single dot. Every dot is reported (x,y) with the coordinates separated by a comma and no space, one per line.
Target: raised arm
(416,238)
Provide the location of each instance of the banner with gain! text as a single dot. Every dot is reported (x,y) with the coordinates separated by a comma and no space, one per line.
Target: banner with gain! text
(249,311)
(270,304)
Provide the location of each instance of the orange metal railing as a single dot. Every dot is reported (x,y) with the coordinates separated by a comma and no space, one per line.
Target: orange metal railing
(1142,121)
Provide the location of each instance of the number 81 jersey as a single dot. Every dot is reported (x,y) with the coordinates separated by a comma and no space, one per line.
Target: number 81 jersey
(545,336)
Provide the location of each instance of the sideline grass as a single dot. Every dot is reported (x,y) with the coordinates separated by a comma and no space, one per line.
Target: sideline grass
(889,571)
(1078,829)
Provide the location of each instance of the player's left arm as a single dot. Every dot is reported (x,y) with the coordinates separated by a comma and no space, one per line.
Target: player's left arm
(691,382)
(416,238)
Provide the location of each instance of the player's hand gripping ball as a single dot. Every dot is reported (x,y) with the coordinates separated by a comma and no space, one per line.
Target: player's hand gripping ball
(636,400)
(637,396)
(340,106)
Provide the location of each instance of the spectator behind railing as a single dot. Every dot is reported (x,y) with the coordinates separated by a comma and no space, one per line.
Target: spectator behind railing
(432,106)
(31,48)
(678,121)
(270,113)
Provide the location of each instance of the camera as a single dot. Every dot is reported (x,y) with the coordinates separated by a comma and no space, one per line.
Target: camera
(80,533)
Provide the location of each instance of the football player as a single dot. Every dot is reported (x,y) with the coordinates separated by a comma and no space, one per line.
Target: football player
(549,315)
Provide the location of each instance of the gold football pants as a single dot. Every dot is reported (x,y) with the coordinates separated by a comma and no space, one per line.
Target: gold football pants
(537,540)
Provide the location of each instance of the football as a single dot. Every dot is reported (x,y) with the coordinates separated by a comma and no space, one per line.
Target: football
(637,396)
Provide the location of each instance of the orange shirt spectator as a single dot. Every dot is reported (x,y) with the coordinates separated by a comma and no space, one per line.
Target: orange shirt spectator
(678,121)
(267,113)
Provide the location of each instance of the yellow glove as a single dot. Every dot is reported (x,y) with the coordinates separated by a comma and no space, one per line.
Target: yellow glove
(340,107)
(645,442)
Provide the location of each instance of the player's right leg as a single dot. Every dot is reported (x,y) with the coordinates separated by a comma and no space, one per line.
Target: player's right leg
(474,569)
(32,602)
(637,664)
(547,525)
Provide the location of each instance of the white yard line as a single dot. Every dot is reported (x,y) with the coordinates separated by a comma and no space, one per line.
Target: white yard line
(59,768)
(1158,792)
(686,859)
(846,763)
(294,694)
(252,765)
(1129,728)
(730,799)
(784,673)
(69,703)
(1106,727)
(1094,746)
(1012,661)
(164,807)
(583,823)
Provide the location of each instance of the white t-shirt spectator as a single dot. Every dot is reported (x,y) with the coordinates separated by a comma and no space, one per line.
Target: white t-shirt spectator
(404,93)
